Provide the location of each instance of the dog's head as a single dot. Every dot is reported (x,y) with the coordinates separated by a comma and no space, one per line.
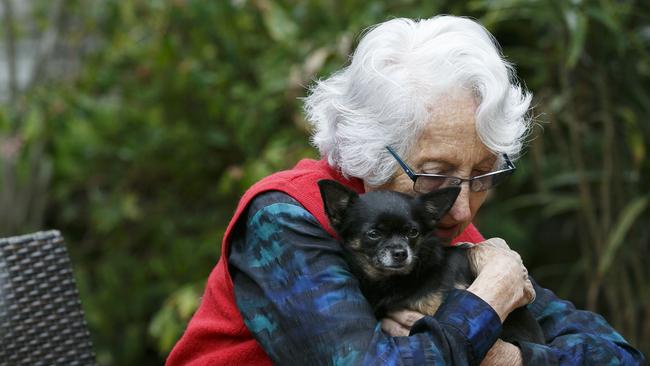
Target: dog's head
(385,232)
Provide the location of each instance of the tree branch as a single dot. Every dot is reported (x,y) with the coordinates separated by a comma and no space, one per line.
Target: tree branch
(10,40)
(48,42)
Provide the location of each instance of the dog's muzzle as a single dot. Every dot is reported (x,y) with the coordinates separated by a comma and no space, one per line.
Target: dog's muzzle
(395,257)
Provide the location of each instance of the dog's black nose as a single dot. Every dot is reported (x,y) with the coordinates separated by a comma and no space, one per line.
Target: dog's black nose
(399,255)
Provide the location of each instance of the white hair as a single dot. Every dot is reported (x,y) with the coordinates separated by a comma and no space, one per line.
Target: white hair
(383,98)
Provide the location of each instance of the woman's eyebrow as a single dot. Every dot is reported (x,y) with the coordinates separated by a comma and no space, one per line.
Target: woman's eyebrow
(447,163)
(437,162)
(440,161)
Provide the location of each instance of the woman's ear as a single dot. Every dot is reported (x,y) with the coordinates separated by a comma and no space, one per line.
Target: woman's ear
(336,200)
(436,204)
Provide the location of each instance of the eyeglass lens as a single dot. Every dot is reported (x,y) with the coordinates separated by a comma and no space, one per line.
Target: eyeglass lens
(425,184)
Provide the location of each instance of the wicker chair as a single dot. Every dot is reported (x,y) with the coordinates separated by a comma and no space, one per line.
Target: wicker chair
(41,320)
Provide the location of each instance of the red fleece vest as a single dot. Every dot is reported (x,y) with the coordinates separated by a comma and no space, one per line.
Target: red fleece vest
(216,334)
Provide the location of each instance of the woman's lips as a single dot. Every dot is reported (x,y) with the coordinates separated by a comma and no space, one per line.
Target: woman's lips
(448,232)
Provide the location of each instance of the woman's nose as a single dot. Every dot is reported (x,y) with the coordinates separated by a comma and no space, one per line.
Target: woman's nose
(461,211)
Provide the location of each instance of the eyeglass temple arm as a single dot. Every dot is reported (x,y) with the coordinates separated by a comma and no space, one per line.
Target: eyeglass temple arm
(508,162)
(406,168)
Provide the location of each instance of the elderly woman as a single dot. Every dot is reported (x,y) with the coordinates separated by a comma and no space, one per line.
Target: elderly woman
(440,95)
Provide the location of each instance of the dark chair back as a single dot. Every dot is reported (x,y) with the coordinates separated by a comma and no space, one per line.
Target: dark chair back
(41,320)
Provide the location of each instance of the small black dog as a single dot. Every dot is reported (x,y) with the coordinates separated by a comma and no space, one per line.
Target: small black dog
(389,243)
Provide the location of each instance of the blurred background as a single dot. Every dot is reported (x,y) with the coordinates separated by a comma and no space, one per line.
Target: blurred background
(135,126)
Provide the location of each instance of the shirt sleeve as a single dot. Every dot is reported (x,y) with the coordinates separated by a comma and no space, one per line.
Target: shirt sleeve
(575,337)
(304,307)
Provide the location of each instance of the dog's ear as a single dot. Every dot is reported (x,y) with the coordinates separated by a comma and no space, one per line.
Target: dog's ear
(336,199)
(437,203)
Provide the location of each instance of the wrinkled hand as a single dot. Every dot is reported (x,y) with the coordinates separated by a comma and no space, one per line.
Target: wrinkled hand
(399,323)
(503,354)
(502,279)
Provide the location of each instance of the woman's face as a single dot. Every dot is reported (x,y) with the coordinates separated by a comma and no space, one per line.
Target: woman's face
(449,145)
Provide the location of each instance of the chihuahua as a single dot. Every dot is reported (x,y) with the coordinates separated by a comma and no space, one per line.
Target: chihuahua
(389,242)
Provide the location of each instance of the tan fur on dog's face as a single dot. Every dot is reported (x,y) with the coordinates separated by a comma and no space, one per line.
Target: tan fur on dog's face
(373,261)
(355,244)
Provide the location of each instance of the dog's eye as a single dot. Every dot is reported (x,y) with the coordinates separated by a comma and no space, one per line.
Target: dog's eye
(413,233)
(373,234)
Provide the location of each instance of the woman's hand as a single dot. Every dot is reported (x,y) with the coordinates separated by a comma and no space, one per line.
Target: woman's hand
(503,354)
(399,323)
(501,278)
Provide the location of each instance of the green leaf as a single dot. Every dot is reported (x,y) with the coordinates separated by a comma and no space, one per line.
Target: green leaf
(187,300)
(616,238)
(164,327)
(279,25)
(634,135)
(33,125)
(578,25)
(561,205)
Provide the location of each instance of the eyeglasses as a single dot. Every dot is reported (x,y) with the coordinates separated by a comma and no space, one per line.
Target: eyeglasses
(425,183)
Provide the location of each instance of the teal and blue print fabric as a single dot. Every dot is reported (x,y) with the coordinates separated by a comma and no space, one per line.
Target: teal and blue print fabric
(304,307)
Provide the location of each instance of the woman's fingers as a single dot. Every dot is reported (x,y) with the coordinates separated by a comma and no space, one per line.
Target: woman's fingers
(529,290)
(488,250)
(496,243)
(399,323)
(480,255)
(394,328)
(405,317)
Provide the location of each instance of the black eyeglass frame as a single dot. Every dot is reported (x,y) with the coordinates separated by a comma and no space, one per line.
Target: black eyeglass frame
(455,181)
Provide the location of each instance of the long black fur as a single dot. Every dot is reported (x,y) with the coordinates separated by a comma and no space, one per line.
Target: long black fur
(435,268)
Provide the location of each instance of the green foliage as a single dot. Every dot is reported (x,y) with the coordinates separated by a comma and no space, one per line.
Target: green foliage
(582,199)
(141,155)
(171,319)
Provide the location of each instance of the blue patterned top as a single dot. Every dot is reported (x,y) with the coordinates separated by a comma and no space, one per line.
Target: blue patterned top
(304,307)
